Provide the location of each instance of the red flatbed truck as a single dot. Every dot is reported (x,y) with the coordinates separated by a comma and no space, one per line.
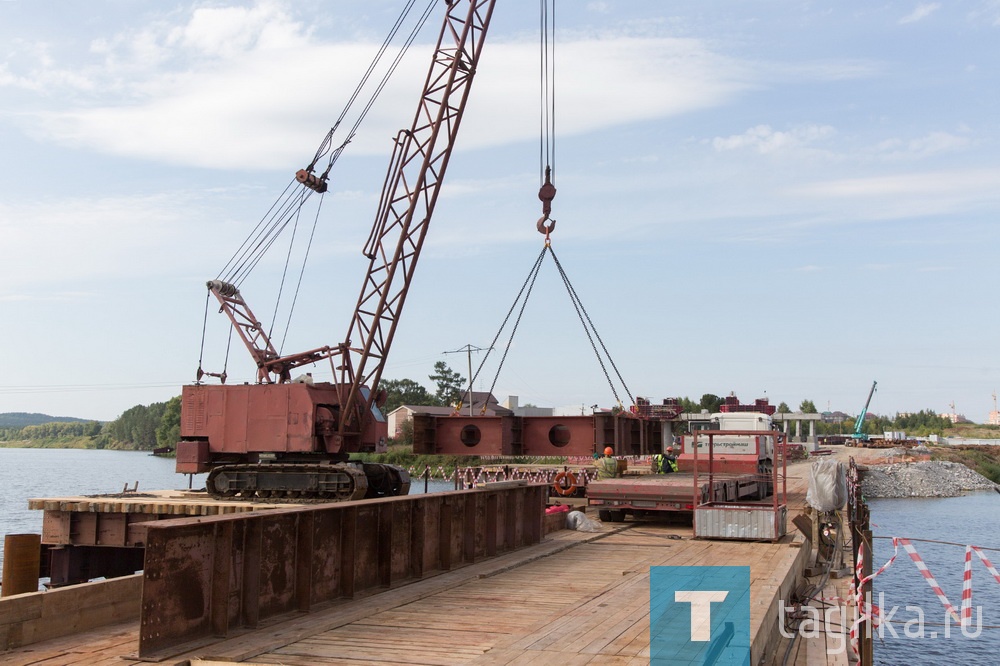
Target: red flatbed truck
(735,464)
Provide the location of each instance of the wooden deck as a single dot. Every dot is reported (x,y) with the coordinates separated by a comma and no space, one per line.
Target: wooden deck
(575,598)
(152,502)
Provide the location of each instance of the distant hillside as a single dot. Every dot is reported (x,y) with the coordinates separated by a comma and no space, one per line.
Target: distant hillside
(21,419)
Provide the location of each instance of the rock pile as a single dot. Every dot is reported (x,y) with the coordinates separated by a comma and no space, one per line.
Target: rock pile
(922,479)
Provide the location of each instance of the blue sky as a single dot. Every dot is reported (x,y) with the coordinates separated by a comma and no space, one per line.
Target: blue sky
(789,199)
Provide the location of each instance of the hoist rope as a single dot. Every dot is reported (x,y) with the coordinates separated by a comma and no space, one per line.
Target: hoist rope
(582,314)
(204,327)
(260,240)
(327,142)
(229,342)
(529,284)
(547,88)
(287,205)
(233,266)
(284,272)
(302,271)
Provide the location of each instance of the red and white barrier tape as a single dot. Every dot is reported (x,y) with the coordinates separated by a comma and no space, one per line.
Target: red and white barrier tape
(926,573)
(868,611)
(967,588)
(989,565)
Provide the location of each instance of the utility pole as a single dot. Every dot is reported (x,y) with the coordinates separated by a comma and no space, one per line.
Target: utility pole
(468,349)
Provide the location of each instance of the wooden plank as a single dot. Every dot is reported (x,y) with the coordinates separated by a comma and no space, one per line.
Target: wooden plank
(587,595)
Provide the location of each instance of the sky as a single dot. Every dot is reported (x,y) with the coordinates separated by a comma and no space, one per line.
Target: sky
(787,200)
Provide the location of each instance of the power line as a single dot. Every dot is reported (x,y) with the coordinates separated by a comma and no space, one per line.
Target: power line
(71,388)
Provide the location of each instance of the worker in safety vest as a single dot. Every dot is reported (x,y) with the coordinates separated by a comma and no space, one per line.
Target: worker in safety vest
(607,467)
(665,464)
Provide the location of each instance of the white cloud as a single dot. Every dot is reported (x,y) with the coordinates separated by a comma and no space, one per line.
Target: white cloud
(764,139)
(905,195)
(922,11)
(227,32)
(250,87)
(931,144)
(264,108)
(935,182)
(68,241)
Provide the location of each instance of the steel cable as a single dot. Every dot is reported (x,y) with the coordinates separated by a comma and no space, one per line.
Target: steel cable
(582,313)
(532,274)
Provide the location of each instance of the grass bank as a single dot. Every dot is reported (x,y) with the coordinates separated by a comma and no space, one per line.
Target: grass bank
(983,459)
(60,443)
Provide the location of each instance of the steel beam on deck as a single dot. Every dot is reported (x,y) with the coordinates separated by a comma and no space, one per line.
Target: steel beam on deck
(536,435)
(209,576)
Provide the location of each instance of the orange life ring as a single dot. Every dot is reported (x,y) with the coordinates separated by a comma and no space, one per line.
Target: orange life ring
(565,484)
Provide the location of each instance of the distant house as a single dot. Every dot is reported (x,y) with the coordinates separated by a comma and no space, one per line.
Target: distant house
(836,417)
(513,404)
(404,413)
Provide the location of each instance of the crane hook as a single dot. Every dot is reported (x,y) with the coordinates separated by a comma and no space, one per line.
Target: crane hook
(546,193)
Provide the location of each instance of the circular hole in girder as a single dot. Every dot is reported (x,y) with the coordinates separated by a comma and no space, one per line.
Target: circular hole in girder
(471,435)
(559,435)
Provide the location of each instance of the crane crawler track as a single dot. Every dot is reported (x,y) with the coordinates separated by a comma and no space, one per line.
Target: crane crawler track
(298,482)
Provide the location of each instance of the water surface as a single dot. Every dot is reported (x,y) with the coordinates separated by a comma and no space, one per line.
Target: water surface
(971,519)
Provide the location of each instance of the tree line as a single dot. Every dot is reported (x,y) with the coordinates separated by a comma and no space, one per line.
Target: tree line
(450,388)
(54,430)
(146,427)
(140,428)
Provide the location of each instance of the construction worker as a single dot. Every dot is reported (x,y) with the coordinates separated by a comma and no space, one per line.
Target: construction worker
(671,461)
(607,467)
(665,464)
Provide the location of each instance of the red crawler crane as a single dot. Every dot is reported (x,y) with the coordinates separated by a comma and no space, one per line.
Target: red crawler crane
(282,438)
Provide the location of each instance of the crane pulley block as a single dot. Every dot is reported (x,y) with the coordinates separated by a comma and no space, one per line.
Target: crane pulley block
(311,180)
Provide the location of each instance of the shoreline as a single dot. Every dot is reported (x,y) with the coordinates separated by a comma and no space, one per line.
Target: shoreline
(927,478)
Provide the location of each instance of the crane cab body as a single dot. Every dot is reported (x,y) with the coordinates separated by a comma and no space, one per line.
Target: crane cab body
(281,422)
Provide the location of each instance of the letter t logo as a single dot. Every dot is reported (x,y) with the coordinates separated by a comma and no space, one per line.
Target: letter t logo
(701,610)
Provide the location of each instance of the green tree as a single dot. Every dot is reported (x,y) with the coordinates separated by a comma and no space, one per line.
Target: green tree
(783,408)
(134,429)
(710,402)
(689,406)
(405,434)
(807,407)
(405,392)
(450,384)
(168,433)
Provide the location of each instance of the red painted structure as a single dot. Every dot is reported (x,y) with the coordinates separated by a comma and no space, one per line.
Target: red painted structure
(237,427)
(624,432)
(230,423)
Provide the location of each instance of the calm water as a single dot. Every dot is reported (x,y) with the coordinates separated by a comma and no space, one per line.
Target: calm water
(31,473)
(972,519)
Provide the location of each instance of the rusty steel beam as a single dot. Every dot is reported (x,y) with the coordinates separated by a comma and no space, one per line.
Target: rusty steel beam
(206,577)
(536,435)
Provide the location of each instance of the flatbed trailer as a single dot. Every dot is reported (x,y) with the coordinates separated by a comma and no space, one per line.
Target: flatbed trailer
(642,494)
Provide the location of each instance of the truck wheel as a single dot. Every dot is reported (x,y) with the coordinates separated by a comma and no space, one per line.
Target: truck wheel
(612,515)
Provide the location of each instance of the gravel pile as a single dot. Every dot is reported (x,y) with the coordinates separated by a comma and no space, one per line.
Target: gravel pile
(922,479)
